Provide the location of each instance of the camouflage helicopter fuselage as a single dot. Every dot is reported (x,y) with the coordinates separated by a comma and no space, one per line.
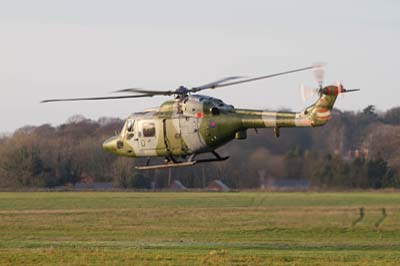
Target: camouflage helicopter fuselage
(198,124)
(192,124)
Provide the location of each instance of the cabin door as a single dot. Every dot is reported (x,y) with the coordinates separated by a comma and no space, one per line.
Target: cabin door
(172,135)
(148,132)
(189,126)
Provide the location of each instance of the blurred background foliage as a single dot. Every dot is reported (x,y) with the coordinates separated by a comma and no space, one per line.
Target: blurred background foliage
(354,150)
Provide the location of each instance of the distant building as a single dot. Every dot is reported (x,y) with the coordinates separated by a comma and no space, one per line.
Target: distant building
(357,153)
(218,185)
(286,184)
(176,185)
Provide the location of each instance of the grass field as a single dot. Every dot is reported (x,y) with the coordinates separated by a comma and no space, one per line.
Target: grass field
(126,228)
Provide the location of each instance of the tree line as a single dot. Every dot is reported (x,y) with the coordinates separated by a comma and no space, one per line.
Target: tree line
(354,150)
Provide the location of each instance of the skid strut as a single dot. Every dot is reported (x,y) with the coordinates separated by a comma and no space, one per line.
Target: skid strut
(172,162)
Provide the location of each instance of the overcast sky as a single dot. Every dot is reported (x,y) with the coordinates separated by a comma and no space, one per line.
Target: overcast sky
(51,49)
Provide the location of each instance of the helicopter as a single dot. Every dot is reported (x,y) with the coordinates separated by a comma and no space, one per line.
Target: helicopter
(189,125)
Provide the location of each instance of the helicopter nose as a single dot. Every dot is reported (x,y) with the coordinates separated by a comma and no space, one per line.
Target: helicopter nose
(110,144)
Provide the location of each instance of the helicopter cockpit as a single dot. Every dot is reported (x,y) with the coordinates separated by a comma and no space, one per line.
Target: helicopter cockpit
(135,129)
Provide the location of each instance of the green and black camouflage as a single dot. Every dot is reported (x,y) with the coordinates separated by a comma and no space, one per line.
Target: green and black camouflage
(197,124)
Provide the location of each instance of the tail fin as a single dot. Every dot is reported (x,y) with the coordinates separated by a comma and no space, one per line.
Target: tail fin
(320,113)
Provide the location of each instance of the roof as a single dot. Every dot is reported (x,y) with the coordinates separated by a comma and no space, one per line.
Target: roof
(177,185)
(218,185)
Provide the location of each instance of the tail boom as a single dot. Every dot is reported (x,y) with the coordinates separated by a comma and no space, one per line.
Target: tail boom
(317,114)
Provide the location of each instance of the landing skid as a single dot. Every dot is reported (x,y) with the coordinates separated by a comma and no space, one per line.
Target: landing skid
(172,162)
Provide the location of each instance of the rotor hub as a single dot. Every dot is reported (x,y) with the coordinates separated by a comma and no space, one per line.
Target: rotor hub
(182,90)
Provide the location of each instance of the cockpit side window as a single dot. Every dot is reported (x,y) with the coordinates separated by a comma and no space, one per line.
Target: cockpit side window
(130,128)
(130,125)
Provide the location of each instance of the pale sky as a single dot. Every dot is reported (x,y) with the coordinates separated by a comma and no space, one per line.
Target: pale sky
(55,49)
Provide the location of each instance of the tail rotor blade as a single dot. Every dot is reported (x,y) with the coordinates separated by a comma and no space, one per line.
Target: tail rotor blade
(352,90)
(306,93)
(319,73)
(302,93)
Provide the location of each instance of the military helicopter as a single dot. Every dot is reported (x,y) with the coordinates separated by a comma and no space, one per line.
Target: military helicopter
(191,124)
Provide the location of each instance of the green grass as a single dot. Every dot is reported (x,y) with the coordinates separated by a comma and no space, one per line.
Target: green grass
(117,228)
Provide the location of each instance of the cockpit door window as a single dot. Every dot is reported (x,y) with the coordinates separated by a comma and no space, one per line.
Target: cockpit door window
(149,130)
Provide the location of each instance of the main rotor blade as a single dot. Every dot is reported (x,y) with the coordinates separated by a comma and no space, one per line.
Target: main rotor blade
(95,98)
(213,84)
(262,77)
(147,92)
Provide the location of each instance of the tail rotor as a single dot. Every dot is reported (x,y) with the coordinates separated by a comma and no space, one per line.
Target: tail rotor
(341,89)
(307,93)
(319,74)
